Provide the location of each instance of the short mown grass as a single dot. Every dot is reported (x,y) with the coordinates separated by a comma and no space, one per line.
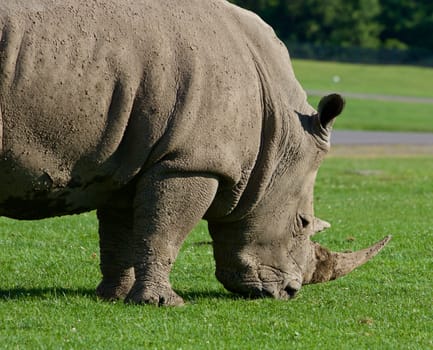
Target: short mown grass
(369,114)
(365,78)
(49,270)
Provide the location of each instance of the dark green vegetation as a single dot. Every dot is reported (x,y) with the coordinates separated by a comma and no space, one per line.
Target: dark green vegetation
(49,271)
(369,114)
(368,23)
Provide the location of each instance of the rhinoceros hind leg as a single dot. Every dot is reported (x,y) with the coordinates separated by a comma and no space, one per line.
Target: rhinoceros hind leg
(115,235)
(166,208)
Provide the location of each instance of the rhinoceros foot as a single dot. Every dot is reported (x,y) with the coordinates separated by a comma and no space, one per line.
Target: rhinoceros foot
(153,294)
(114,290)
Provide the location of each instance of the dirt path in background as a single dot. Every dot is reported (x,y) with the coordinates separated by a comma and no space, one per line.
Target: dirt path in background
(379,151)
(380,144)
(367,144)
(348,137)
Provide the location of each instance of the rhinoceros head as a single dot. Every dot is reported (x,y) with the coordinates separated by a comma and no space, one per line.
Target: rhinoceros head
(269,252)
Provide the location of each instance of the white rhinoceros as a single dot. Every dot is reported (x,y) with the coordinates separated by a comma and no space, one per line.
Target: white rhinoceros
(158,113)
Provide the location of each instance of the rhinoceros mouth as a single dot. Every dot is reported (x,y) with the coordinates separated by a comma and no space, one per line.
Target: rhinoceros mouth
(256,290)
(278,283)
(265,281)
(276,290)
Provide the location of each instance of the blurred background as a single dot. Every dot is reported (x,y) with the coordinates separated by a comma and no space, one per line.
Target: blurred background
(374,31)
(376,53)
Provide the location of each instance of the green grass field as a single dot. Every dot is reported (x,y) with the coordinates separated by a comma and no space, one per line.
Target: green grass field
(365,78)
(383,116)
(50,269)
(372,79)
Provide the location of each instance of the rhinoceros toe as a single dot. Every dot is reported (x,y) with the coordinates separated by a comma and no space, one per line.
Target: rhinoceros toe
(110,290)
(154,294)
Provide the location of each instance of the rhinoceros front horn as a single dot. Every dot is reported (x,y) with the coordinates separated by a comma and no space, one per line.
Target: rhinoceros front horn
(330,265)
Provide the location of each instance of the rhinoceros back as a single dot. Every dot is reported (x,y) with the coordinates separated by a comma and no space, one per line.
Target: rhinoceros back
(70,74)
(94,92)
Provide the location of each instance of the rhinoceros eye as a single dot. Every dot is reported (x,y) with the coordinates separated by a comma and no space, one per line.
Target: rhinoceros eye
(304,221)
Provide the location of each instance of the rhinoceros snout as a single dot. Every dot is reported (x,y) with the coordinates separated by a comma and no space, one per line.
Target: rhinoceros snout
(269,290)
(272,291)
(285,291)
(290,290)
(255,285)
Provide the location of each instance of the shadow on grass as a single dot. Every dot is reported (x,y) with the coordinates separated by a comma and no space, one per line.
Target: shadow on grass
(54,293)
(45,293)
(192,296)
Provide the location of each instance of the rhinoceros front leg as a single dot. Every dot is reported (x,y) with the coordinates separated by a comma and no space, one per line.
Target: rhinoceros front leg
(166,208)
(115,240)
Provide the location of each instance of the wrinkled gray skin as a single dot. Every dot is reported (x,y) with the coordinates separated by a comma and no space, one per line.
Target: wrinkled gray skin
(158,113)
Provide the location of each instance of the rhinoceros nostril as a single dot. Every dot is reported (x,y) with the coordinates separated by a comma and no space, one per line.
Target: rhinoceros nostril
(292,288)
(291,292)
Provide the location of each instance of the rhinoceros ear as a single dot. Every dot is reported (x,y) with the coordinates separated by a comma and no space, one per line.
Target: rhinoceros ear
(320,225)
(330,107)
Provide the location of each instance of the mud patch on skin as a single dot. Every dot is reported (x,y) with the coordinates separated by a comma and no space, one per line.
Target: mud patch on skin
(43,183)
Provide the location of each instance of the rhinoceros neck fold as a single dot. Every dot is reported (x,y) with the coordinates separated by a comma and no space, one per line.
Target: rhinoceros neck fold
(278,131)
